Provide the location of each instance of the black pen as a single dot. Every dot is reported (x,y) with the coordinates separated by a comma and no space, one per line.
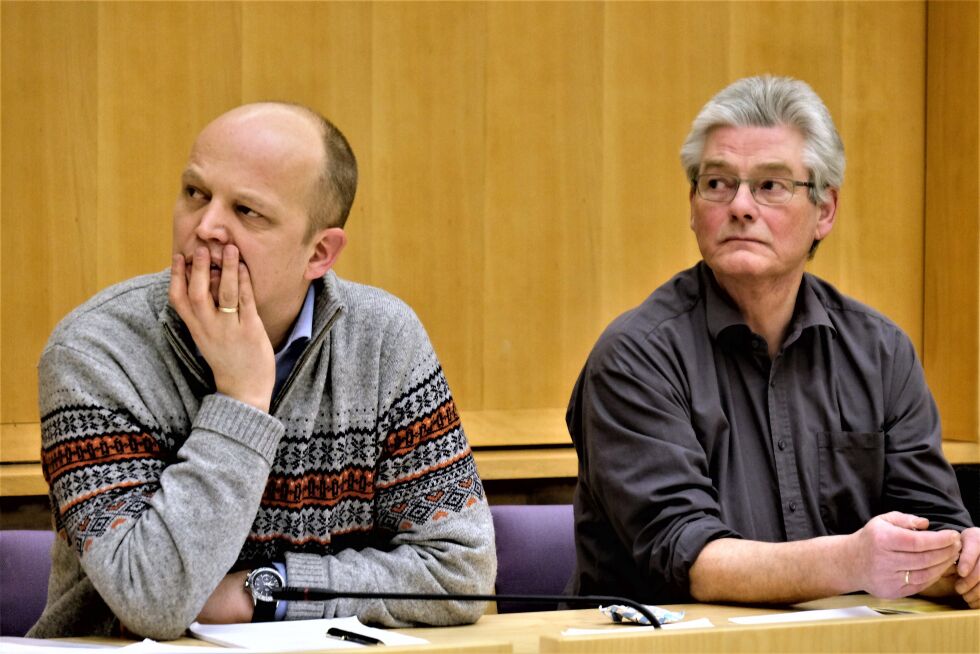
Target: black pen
(360,639)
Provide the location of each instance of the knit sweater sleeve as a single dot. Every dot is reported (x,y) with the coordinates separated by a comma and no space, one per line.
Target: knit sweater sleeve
(428,497)
(155,518)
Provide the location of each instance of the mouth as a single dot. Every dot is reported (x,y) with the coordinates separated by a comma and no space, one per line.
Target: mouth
(741,239)
(189,261)
(214,269)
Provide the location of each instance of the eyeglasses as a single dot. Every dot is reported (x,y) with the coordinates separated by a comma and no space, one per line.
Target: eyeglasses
(715,187)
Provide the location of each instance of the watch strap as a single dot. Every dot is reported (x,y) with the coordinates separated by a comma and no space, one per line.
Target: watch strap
(264,610)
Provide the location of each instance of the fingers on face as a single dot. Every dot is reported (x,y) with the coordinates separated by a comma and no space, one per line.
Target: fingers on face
(228,291)
(246,295)
(178,285)
(199,286)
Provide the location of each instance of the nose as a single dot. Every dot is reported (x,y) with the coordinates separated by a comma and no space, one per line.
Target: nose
(213,224)
(743,206)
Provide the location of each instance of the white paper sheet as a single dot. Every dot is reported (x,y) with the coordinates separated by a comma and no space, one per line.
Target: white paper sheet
(150,646)
(809,616)
(14,645)
(700,623)
(17,644)
(294,634)
(690,624)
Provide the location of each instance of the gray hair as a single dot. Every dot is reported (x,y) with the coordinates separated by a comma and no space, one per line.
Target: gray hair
(768,101)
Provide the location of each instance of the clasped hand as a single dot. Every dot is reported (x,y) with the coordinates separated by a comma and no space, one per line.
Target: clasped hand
(898,557)
(226,326)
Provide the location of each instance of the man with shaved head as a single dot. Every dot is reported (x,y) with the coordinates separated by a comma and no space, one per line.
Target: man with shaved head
(248,420)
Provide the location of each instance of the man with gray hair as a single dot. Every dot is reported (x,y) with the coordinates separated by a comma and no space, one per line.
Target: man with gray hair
(748,433)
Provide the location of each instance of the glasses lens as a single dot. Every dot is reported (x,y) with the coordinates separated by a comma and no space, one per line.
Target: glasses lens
(773,190)
(717,188)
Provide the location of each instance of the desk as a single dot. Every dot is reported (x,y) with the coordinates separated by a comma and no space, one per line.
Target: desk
(940,629)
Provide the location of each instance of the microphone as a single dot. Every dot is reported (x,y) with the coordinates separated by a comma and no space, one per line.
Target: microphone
(323,594)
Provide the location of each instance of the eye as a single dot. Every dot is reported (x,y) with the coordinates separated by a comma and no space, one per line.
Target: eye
(775,186)
(247,211)
(719,182)
(194,193)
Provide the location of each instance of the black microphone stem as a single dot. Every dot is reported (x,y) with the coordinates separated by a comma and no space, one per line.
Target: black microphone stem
(320,595)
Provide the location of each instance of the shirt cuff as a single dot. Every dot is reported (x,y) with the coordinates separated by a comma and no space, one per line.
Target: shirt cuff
(281,604)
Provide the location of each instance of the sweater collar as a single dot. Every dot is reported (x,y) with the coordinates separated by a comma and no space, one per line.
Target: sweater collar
(327,303)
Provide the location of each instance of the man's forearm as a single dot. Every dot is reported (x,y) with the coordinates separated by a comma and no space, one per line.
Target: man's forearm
(893,555)
(454,554)
(730,569)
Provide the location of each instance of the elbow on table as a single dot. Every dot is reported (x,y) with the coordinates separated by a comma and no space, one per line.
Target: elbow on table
(163,614)
(465,613)
(158,623)
(477,579)
(701,585)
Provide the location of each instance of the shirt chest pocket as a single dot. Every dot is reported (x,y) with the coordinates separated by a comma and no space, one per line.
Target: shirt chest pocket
(851,477)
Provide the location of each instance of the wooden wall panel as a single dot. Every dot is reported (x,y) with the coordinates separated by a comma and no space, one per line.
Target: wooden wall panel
(952,255)
(49,184)
(427,175)
(543,198)
(653,89)
(520,182)
(320,54)
(165,70)
(875,252)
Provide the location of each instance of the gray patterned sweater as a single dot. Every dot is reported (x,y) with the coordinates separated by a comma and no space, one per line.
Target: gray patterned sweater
(360,477)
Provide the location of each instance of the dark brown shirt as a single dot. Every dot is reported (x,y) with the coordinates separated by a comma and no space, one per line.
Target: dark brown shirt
(686,432)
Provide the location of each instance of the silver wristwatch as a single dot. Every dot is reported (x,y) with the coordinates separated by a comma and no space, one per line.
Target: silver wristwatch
(260,583)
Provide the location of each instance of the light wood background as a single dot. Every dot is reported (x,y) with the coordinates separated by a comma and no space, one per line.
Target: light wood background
(520,183)
(951,315)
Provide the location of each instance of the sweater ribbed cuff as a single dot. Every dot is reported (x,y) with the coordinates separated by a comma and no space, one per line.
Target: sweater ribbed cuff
(307,571)
(242,423)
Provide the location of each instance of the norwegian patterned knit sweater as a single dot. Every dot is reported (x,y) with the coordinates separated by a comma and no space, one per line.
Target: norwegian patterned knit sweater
(360,478)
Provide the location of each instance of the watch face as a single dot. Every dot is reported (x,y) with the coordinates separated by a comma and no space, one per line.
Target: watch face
(263,581)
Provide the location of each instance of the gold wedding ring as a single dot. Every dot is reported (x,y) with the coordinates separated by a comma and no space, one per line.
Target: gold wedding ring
(228,309)
(907,577)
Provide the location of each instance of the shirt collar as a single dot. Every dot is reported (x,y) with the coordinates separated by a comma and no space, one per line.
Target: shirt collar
(809,312)
(722,313)
(302,327)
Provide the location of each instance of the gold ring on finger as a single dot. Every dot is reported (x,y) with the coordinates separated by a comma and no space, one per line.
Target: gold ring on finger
(228,309)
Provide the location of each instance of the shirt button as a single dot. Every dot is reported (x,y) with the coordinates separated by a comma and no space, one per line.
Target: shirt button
(792,507)
(781,444)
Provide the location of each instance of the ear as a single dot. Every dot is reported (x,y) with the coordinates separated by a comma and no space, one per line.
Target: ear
(327,246)
(828,213)
(690,200)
